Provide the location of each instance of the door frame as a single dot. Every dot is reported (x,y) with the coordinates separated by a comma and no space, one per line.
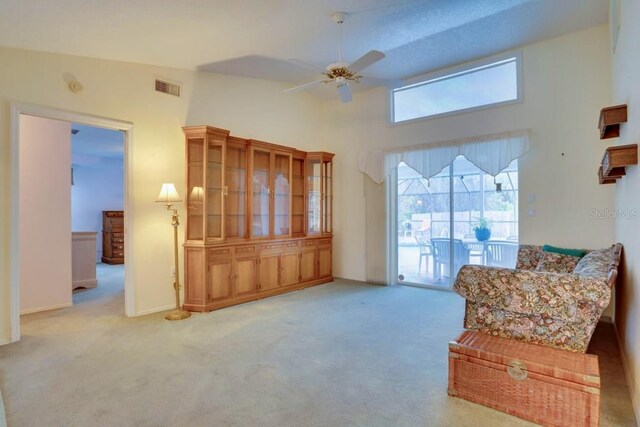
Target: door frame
(18,108)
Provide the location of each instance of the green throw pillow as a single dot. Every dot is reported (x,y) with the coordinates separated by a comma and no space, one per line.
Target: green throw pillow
(573,252)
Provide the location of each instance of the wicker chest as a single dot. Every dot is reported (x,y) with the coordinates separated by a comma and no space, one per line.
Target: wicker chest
(544,385)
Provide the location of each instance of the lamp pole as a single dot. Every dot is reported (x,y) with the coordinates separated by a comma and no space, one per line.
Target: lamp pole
(167,195)
(178,313)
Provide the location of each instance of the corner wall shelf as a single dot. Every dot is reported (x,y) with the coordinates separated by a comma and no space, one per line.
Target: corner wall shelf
(610,119)
(615,161)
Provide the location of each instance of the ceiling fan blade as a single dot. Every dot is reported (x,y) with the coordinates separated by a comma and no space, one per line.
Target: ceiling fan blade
(306,64)
(366,60)
(304,86)
(345,93)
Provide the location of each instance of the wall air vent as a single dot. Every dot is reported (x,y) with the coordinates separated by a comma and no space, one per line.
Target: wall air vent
(167,87)
(74,131)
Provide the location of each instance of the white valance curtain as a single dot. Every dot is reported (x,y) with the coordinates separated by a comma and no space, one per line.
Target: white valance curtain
(490,153)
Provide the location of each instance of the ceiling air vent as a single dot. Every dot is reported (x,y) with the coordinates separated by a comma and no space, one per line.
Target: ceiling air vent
(167,87)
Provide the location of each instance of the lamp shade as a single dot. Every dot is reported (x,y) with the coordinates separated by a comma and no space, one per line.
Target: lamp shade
(168,194)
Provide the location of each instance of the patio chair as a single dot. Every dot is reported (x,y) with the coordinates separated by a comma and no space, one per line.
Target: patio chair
(424,245)
(476,248)
(502,253)
(442,255)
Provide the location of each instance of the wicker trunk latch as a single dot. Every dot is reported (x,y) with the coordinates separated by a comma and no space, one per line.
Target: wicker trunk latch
(517,370)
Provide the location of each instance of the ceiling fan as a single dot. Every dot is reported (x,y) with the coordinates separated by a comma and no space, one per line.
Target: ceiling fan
(339,72)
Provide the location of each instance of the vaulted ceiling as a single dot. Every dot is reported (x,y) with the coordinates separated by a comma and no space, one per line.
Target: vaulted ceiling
(253,37)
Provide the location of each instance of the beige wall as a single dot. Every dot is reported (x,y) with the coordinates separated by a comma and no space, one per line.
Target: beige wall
(566,82)
(249,108)
(45,214)
(626,89)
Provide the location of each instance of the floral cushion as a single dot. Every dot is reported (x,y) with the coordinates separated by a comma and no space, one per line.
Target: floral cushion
(595,263)
(552,262)
(567,334)
(528,257)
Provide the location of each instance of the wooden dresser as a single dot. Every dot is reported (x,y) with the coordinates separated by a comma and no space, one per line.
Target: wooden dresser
(258,219)
(113,237)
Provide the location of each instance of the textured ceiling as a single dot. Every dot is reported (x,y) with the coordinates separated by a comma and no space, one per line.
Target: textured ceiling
(252,37)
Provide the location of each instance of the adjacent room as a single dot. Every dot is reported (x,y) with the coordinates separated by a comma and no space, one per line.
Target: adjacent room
(320,213)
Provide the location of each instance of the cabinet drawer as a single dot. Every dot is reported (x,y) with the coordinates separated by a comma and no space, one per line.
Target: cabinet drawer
(309,243)
(279,247)
(117,240)
(118,254)
(219,253)
(117,246)
(324,242)
(246,250)
(118,235)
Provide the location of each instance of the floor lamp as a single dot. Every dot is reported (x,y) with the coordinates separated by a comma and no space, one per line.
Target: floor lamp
(168,196)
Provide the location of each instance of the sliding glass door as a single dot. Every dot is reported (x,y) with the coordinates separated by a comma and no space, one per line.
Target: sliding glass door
(460,216)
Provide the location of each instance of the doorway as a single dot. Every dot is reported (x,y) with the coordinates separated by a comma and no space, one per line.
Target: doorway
(439,222)
(97,212)
(64,118)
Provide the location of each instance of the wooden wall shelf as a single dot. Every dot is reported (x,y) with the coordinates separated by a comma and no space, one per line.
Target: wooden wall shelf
(615,161)
(610,119)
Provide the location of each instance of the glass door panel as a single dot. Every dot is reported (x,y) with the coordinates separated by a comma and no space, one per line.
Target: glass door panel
(195,191)
(282,195)
(214,191)
(423,227)
(327,197)
(260,194)
(313,196)
(297,197)
(236,192)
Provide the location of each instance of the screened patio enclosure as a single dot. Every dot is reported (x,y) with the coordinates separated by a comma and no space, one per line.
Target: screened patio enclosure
(436,218)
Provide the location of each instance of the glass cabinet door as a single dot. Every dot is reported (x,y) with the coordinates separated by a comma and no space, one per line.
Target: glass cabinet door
(260,192)
(236,192)
(327,196)
(314,191)
(297,197)
(282,195)
(195,191)
(214,190)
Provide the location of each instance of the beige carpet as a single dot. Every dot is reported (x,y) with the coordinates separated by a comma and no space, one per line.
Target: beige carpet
(342,354)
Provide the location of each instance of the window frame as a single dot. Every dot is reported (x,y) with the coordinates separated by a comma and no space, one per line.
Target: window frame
(456,71)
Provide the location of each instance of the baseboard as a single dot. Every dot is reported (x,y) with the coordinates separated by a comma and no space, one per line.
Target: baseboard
(358,282)
(155,310)
(625,368)
(50,307)
(5,342)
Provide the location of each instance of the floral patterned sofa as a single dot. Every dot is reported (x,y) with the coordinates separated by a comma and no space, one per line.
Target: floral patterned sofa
(550,299)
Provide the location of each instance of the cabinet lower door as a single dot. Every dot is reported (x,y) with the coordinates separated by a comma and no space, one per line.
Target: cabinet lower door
(269,272)
(324,261)
(246,274)
(219,285)
(308,265)
(289,269)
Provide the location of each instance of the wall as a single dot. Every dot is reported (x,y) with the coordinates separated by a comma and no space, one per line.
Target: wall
(626,90)
(566,82)
(249,108)
(45,211)
(97,187)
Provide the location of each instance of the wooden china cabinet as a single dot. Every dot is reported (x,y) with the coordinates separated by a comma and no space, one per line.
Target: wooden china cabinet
(258,219)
